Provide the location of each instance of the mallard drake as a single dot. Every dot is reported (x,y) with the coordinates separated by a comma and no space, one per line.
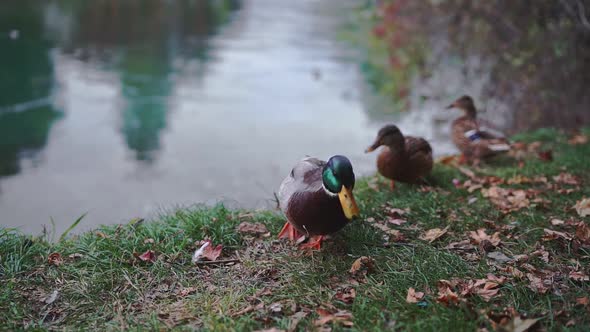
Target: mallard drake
(405,159)
(316,197)
(474,140)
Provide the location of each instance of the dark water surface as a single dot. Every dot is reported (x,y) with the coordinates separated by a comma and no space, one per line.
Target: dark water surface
(123,109)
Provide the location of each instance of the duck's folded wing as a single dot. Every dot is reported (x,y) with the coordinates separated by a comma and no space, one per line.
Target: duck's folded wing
(416,145)
(305,176)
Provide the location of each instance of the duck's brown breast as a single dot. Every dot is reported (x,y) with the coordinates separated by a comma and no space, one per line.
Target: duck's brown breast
(316,213)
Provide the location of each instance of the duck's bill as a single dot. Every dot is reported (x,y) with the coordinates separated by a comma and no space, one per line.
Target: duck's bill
(373,147)
(348,203)
(450,106)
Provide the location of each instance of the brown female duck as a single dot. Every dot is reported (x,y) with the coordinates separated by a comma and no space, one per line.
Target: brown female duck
(475,141)
(317,199)
(405,159)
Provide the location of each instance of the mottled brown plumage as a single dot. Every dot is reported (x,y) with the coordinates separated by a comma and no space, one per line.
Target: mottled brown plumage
(405,159)
(469,135)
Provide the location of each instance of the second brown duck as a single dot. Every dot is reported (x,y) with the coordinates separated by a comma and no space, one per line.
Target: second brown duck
(475,140)
(405,159)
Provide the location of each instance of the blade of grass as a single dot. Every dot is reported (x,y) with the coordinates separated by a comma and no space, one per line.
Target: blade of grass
(72,226)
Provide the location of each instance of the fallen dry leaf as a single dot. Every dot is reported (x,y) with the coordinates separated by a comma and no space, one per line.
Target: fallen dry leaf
(148,256)
(536,284)
(506,199)
(413,296)
(396,222)
(464,245)
(552,235)
(362,265)
(446,296)
(54,259)
(542,253)
(101,234)
(557,222)
(566,178)
(295,319)
(583,301)
(578,139)
(395,235)
(341,316)
(432,234)
(481,235)
(583,207)
(579,276)
(208,251)
(545,155)
(272,329)
(520,325)
(499,257)
(347,296)
(52,297)
(252,228)
(186,291)
(583,233)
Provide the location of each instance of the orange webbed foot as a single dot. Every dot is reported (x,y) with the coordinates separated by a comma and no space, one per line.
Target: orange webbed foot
(289,232)
(315,242)
(392,185)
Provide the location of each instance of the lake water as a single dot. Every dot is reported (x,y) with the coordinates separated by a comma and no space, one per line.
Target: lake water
(123,109)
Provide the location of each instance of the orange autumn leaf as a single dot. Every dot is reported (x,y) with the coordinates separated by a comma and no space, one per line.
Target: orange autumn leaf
(413,296)
(55,259)
(432,234)
(148,256)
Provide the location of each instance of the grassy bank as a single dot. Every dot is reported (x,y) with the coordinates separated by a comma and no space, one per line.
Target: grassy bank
(529,260)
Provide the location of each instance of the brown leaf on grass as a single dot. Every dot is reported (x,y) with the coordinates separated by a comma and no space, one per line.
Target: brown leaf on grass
(362,265)
(55,259)
(396,222)
(515,272)
(542,253)
(583,301)
(552,235)
(578,139)
(520,325)
(186,291)
(101,234)
(347,296)
(583,207)
(295,319)
(446,296)
(248,309)
(506,199)
(536,284)
(578,276)
(583,233)
(464,245)
(342,317)
(272,329)
(486,288)
(252,228)
(481,235)
(566,178)
(207,250)
(413,296)
(148,256)
(557,222)
(499,257)
(395,235)
(52,297)
(545,155)
(432,234)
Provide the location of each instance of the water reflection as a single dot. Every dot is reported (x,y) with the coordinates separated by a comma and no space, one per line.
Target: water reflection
(170,103)
(26,83)
(140,41)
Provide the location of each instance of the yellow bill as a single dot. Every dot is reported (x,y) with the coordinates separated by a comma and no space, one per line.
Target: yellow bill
(348,203)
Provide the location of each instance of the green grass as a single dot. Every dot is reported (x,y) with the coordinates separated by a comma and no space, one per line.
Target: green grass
(108,288)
